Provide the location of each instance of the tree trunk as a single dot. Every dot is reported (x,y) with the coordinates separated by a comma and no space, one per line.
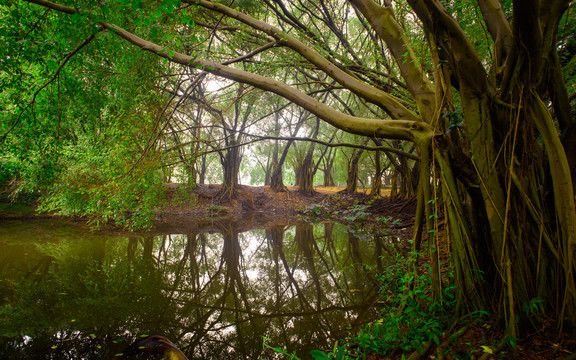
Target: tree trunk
(377,180)
(328,161)
(272,167)
(276,180)
(306,173)
(231,168)
(328,179)
(394,184)
(202,172)
(352,178)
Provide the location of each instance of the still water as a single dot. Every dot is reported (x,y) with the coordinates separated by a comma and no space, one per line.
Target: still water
(67,292)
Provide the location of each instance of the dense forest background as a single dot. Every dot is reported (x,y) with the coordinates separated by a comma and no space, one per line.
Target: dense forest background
(467,104)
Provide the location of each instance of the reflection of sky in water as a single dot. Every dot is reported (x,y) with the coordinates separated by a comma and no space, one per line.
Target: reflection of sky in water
(67,291)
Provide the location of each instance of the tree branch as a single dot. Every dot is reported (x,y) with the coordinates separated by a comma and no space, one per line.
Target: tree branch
(402,129)
(374,95)
(54,6)
(259,138)
(498,27)
(454,44)
(383,22)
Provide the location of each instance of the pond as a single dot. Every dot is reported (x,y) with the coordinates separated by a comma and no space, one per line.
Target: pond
(216,290)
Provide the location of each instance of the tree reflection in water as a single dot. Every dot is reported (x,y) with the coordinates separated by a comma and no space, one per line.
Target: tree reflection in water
(66,293)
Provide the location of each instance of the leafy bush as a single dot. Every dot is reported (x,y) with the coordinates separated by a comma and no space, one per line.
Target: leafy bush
(389,220)
(105,185)
(315,210)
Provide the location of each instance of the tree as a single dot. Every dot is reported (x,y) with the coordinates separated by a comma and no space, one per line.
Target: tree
(505,167)
(352,176)
(233,124)
(276,178)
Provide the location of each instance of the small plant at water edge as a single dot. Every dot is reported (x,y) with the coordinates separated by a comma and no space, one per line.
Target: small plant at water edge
(358,212)
(389,221)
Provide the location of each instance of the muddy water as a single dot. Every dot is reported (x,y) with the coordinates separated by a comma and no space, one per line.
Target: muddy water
(215,290)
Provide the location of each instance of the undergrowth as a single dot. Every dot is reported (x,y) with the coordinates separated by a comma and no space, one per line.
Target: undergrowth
(409,317)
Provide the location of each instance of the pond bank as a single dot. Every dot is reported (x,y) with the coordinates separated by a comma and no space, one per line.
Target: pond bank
(326,202)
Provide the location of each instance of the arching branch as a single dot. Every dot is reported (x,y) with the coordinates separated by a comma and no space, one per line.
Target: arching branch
(388,102)
(407,128)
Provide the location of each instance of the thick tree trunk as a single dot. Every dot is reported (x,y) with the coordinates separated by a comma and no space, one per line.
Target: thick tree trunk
(377,180)
(231,169)
(327,171)
(328,179)
(276,179)
(306,174)
(394,184)
(352,178)
(202,172)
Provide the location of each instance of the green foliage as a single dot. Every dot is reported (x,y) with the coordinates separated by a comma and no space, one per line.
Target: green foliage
(410,317)
(315,210)
(291,356)
(79,137)
(183,196)
(388,220)
(100,183)
(216,208)
(357,212)
(532,307)
(338,353)
(455,119)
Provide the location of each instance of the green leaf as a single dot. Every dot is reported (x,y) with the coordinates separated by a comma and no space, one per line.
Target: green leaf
(340,353)
(487,349)
(52,64)
(319,355)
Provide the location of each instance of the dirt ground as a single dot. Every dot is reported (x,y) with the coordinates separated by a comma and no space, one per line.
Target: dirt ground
(266,205)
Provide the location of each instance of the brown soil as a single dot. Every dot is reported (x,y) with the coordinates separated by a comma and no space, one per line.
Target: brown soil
(260,204)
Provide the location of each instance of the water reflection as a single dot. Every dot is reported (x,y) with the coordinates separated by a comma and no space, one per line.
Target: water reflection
(68,293)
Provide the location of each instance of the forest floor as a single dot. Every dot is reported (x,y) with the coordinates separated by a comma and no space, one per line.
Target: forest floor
(332,202)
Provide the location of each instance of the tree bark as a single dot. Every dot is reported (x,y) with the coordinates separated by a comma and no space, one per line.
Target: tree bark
(352,177)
